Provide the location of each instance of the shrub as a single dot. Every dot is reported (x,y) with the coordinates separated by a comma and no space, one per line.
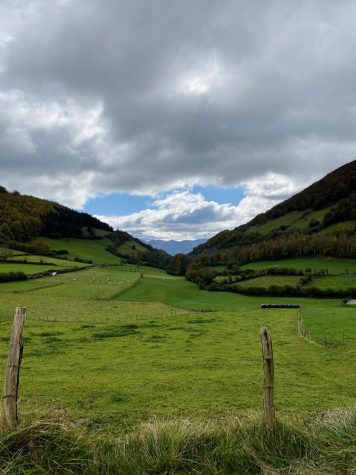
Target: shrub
(12,276)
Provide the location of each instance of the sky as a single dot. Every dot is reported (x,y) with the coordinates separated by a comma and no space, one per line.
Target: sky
(175,119)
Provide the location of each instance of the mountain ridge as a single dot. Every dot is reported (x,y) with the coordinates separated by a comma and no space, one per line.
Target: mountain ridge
(175,247)
(322,205)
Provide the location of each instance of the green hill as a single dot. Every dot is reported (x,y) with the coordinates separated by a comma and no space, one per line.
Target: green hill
(27,217)
(324,208)
(36,226)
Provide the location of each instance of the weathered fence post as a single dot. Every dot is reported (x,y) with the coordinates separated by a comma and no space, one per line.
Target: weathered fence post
(12,374)
(268,369)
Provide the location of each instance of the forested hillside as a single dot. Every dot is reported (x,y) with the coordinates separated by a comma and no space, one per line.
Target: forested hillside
(23,217)
(326,207)
(319,221)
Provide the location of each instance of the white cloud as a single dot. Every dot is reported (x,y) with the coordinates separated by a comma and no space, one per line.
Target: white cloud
(186,215)
(140,97)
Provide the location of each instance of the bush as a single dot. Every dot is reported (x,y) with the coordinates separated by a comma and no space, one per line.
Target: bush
(12,276)
(83,260)
(40,248)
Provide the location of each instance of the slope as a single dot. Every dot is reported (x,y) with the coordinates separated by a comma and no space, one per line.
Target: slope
(327,206)
(63,231)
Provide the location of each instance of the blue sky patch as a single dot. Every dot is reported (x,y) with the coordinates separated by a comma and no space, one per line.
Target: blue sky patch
(220,195)
(123,204)
(117,204)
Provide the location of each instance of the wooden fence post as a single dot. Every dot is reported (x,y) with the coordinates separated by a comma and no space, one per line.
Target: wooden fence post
(12,374)
(268,369)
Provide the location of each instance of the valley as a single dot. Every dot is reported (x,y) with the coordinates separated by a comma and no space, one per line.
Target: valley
(137,338)
(131,354)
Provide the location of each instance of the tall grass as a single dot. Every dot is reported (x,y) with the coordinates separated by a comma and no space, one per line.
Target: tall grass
(322,443)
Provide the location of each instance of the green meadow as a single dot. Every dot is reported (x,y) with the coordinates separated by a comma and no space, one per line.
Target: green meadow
(267,281)
(29,268)
(333,282)
(116,346)
(333,265)
(84,248)
(31,258)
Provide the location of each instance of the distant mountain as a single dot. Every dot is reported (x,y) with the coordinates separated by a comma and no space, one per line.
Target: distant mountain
(176,247)
(327,206)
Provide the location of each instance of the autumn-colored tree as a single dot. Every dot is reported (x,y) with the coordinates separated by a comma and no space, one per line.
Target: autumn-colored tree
(40,248)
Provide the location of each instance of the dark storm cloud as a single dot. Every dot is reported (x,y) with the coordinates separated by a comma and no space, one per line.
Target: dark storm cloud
(144,96)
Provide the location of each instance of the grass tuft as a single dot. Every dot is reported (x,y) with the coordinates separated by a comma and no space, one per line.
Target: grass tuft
(323,443)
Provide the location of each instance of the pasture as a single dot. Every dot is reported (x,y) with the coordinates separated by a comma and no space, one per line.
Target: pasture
(29,268)
(333,265)
(31,258)
(92,249)
(268,280)
(333,282)
(113,349)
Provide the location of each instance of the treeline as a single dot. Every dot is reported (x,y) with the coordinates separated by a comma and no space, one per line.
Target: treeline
(23,217)
(203,269)
(206,279)
(38,247)
(296,245)
(288,290)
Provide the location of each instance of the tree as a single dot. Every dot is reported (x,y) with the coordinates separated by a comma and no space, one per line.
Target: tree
(40,248)
(5,254)
(5,232)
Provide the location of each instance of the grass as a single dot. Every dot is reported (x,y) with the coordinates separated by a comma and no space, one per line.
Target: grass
(348,226)
(28,268)
(333,282)
(31,258)
(268,280)
(334,266)
(294,221)
(286,220)
(131,248)
(334,326)
(118,349)
(115,349)
(94,250)
(164,378)
(298,221)
(323,443)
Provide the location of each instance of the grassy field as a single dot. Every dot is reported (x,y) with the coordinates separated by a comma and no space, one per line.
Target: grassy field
(268,280)
(334,266)
(333,282)
(114,348)
(294,220)
(298,221)
(31,268)
(170,377)
(31,258)
(85,249)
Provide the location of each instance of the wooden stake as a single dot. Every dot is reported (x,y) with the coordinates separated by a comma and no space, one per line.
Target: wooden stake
(12,374)
(268,369)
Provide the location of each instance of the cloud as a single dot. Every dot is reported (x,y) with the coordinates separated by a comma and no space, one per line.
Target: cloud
(186,215)
(145,97)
